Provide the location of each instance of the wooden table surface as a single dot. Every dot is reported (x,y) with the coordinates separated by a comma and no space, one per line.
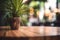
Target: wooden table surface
(29,32)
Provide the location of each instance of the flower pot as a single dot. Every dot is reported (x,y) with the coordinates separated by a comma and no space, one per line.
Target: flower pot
(15,23)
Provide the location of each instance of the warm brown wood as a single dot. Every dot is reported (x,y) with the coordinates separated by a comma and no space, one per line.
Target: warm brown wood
(32,32)
(50,31)
(58,30)
(29,33)
(48,38)
(36,38)
(32,38)
(52,38)
(2,33)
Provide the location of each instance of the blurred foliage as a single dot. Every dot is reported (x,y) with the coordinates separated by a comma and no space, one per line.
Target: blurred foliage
(24,20)
(11,8)
(58,1)
(14,7)
(24,16)
(34,4)
(3,13)
(40,0)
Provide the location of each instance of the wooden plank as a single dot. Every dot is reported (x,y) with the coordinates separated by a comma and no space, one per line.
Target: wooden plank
(14,33)
(36,38)
(31,31)
(52,38)
(2,33)
(50,31)
(58,30)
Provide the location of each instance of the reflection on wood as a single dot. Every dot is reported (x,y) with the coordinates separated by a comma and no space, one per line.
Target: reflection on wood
(50,31)
(30,32)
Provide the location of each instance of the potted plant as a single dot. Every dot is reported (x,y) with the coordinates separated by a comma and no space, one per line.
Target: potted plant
(15,9)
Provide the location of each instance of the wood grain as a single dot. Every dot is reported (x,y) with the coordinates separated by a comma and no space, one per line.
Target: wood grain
(29,32)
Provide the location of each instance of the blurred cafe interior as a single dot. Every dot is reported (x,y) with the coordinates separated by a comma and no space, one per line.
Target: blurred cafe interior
(35,13)
(43,13)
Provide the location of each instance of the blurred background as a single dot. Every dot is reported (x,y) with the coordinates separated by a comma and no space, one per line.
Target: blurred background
(34,13)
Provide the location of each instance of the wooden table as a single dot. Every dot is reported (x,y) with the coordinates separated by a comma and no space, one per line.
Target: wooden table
(31,33)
